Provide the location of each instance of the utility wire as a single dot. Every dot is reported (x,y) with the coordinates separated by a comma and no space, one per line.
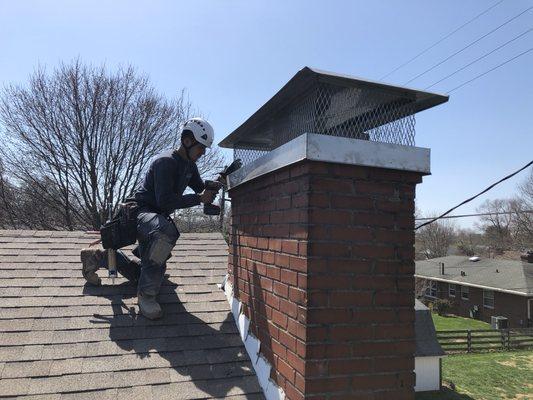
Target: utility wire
(469,45)
(490,70)
(480,58)
(441,40)
(473,197)
(479,214)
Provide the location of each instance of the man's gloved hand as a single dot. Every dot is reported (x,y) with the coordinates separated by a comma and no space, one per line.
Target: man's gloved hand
(234,166)
(208,196)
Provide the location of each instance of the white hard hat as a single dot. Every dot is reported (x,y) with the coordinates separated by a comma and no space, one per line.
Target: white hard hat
(201,129)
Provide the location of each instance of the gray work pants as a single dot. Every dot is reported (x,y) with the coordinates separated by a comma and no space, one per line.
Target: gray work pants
(157,235)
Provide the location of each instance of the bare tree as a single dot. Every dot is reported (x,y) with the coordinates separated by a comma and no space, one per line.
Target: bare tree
(469,242)
(81,137)
(435,239)
(523,218)
(497,226)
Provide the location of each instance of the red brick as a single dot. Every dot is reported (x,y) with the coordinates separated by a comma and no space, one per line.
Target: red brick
(273,331)
(373,188)
(272,300)
(320,385)
(279,349)
(374,382)
(288,308)
(393,364)
(325,249)
(266,284)
(302,280)
(329,316)
(316,368)
(371,219)
(348,233)
(339,201)
(281,289)
(262,243)
(329,217)
(300,200)
(372,349)
(282,260)
(318,200)
(325,281)
(299,382)
(293,392)
(296,329)
(288,277)
(287,340)
(296,362)
(282,175)
(350,299)
(351,333)
(283,203)
(373,251)
(279,319)
(332,185)
(289,246)
(349,367)
(298,264)
(285,370)
(298,296)
(273,272)
(274,244)
(299,231)
(394,299)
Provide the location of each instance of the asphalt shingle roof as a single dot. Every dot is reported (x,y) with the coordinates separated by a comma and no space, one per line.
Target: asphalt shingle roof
(427,344)
(496,274)
(62,339)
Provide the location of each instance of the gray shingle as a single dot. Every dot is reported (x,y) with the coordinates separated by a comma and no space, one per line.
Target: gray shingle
(512,275)
(26,369)
(81,342)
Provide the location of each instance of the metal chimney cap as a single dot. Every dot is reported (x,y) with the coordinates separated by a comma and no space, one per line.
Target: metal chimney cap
(249,134)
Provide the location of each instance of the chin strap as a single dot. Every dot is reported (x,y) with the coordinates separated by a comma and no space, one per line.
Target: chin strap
(187,148)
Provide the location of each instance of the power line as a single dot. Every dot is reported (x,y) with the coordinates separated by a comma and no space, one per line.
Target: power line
(480,58)
(490,70)
(479,214)
(441,40)
(469,45)
(473,197)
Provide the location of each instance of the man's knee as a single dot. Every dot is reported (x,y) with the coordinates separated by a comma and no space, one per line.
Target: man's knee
(161,243)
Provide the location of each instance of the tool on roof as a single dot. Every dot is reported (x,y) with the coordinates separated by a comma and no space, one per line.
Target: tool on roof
(215,186)
(111,253)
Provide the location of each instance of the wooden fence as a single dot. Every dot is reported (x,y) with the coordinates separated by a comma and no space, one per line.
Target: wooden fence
(485,339)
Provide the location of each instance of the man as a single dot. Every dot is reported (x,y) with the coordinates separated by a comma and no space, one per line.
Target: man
(160,194)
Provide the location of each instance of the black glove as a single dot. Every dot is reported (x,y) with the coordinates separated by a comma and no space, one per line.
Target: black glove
(234,166)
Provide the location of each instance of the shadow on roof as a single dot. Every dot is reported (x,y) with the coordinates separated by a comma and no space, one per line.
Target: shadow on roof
(210,358)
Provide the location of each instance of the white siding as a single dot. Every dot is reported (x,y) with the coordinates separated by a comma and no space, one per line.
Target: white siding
(427,374)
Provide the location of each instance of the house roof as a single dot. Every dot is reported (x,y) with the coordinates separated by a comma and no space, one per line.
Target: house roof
(509,276)
(427,344)
(63,340)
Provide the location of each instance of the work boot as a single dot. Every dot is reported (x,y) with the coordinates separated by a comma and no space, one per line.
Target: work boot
(91,259)
(148,306)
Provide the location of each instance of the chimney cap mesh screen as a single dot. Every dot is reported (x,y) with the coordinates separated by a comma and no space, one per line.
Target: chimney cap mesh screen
(315,102)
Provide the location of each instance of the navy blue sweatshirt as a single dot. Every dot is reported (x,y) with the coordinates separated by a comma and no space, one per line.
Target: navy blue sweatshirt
(164,184)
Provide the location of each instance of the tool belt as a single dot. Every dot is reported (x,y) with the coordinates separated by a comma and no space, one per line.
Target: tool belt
(121,230)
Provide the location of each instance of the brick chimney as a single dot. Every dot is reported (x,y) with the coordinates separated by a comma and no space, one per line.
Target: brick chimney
(321,264)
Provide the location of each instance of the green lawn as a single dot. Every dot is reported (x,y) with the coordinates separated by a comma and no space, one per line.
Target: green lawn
(488,376)
(453,323)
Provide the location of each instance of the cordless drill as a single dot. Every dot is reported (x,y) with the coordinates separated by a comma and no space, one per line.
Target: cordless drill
(211,209)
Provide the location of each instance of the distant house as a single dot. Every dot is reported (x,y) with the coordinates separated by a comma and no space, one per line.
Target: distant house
(481,288)
(428,351)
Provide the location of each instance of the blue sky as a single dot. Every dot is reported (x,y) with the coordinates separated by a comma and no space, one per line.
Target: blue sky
(232,56)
